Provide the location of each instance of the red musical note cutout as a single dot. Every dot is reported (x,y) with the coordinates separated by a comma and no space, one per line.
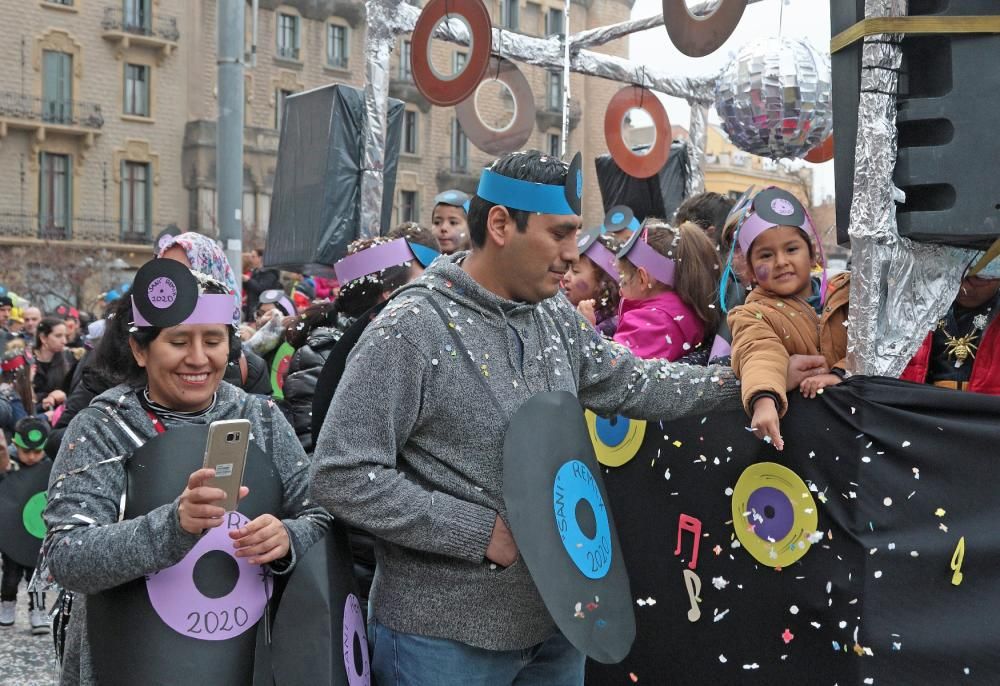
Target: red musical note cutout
(689,523)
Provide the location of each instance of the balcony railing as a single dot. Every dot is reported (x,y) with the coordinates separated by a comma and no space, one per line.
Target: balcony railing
(165,28)
(287,52)
(16,225)
(47,111)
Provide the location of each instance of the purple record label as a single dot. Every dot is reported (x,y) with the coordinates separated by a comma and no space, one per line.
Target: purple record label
(182,607)
(354,625)
(162,292)
(782,207)
(771,513)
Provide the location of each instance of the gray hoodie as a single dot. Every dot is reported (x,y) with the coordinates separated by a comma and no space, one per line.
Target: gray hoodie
(412,446)
(88,550)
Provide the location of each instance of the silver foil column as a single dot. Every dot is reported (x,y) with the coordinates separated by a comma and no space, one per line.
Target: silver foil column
(698,133)
(899,289)
(379,39)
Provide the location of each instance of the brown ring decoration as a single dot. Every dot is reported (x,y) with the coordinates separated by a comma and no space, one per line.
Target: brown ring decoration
(451,91)
(700,36)
(638,166)
(518,130)
(822,152)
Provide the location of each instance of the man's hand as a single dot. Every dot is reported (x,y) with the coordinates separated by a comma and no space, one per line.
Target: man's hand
(814,384)
(502,548)
(801,367)
(765,423)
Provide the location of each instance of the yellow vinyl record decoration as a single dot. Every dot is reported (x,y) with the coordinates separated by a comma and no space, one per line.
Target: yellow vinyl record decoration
(773,514)
(616,439)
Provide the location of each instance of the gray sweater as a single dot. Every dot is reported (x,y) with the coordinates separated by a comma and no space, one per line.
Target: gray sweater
(412,446)
(87,550)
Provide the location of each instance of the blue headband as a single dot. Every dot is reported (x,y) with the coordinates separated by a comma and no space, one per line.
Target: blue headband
(523,195)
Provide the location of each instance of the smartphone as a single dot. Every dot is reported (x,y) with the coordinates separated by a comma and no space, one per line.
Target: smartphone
(226,453)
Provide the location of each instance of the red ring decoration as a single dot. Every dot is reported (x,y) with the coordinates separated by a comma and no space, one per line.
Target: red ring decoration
(518,131)
(822,152)
(700,36)
(637,166)
(446,92)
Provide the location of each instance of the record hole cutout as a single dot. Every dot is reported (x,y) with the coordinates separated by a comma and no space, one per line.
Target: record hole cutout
(574,483)
(215,574)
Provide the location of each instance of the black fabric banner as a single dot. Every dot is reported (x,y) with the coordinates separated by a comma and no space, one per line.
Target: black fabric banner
(884,492)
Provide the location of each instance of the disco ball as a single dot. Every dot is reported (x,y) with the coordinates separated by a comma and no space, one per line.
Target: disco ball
(774,98)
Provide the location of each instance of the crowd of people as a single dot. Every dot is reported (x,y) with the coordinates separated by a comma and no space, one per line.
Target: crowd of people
(453,327)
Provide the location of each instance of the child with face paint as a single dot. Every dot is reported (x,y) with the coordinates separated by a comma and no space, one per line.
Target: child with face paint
(592,283)
(789,311)
(667,290)
(451,226)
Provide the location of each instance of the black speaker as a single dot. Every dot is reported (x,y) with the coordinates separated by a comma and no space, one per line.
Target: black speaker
(949,93)
(316,203)
(658,196)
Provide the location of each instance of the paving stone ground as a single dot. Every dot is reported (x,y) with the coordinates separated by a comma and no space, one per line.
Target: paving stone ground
(26,660)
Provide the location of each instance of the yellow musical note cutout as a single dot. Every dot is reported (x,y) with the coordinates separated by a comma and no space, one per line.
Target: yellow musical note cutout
(956,562)
(693,584)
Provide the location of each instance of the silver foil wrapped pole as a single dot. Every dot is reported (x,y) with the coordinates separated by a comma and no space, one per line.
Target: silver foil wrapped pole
(698,133)
(379,39)
(899,288)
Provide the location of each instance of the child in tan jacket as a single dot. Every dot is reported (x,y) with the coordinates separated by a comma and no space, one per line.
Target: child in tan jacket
(789,312)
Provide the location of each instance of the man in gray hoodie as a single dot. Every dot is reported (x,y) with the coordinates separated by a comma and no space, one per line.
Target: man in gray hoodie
(412,445)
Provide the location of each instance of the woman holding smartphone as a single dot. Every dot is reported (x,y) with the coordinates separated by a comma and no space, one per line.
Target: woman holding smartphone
(169,587)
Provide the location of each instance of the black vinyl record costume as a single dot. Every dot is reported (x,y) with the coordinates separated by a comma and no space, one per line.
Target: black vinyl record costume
(130,642)
(22,500)
(899,479)
(564,531)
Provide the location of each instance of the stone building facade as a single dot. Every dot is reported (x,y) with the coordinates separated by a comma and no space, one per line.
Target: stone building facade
(108,109)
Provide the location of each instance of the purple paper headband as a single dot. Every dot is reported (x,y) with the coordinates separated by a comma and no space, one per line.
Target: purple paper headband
(373,259)
(603,258)
(656,265)
(754,225)
(211,309)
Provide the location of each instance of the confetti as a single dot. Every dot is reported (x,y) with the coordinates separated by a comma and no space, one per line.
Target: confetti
(939,512)
(887,502)
(787,636)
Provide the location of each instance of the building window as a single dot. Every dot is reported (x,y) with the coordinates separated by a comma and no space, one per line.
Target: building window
(458,61)
(508,14)
(459,148)
(553,143)
(57,87)
(280,96)
(408,210)
(337,47)
(54,199)
(137,90)
(136,16)
(288,36)
(136,199)
(67,3)
(405,50)
(554,91)
(554,22)
(410,132)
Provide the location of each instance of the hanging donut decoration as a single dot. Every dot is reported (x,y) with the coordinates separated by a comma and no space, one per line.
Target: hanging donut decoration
(439,89)
(517,132)
(633,164)
(700,36)
(822,152)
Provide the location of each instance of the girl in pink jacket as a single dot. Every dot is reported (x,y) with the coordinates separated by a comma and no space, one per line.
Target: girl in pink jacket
(668,290)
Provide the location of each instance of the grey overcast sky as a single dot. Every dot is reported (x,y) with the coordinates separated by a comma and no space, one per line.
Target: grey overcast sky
(808,19)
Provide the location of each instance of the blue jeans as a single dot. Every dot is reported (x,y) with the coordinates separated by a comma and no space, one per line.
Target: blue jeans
(411,660)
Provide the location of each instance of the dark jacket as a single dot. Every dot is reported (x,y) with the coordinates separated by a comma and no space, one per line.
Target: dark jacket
(54,375)
(300,383)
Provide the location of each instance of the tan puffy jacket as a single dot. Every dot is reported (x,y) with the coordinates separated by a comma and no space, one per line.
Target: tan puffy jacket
(768,329)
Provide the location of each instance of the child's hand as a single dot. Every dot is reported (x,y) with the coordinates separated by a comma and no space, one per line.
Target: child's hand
(586,308)
(814,384)
(765,423)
